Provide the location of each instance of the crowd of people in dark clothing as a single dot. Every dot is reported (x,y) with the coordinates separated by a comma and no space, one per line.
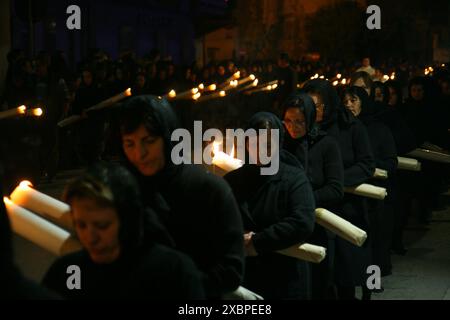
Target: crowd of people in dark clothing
(153,229)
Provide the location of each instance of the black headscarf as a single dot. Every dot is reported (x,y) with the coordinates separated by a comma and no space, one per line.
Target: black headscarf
(368,107)
(263,120)
(138,225)
(330,99)
(158,117)
(306,105)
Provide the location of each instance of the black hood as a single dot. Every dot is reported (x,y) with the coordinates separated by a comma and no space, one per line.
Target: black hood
(368,106)
(138,224)
(271,119)
(330,99)
(157,115)
(304,103)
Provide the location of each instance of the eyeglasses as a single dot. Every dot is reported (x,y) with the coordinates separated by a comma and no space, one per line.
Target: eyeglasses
(296,123)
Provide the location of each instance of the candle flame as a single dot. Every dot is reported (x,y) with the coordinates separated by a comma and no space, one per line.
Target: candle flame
(172,94)
(274,86)
(37,112)
(25,184)
(335,83)
(322,77)
(196,96)
(194,90)
(443,65)
(21,109)
(252,77)
(128,92)
(269,87)
(212,87)
(222,93)
(316,76)
(7,201)
(201,86)
(237,75)
(344,81)
(386,77)
(255,83)
(339,76)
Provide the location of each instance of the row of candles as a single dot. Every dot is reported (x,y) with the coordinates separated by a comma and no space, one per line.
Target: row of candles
(21,111)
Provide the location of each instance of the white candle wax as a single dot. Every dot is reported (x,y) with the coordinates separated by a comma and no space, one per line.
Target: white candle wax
(39,230)
(25,196)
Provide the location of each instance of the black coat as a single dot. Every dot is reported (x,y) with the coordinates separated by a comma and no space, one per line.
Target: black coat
(203,218)
(197,208)
(157,273)
(280,210)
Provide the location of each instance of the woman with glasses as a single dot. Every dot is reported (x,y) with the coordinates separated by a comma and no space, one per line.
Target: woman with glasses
(350,261)
(321,156)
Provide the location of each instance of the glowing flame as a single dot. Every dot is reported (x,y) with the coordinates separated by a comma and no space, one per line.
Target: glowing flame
(274,86)
(128,92)
(172,94)
(6,201)
(443,65)
(37,112)
(269,87)
(201,86)
(255,83)
(237,75)
(194,90)
(335,83)
(252,77)
(21,109)
(222,93)
(322,77)
(386,77)
(25,184)
(196,96)
(212,87)
(339,76)
(344,81)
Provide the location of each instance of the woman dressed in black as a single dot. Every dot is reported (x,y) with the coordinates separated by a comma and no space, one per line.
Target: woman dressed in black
(325,171)
(359,166)
(278,212)
(382,215)
(121,256)
(197,208)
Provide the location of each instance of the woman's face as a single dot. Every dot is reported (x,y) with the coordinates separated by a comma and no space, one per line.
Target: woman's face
(417,92)
(294,120)
(320,106)
(393,97)
(353,104)
(360,83)
(144,151)
(378,95)
(97,229)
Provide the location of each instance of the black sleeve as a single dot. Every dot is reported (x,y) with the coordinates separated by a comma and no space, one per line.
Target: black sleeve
(364,166)
(333,171)
(226,274)
(189,282)
(56,277)
(297,224)
(387,151)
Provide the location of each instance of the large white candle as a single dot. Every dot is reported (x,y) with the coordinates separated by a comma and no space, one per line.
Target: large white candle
(380,174)
(408,164)
(430,155)
(40,231)
(368,190)
(340,227)
(305,251)
(111,101)
(13,112)
(26,196)
(225,161)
